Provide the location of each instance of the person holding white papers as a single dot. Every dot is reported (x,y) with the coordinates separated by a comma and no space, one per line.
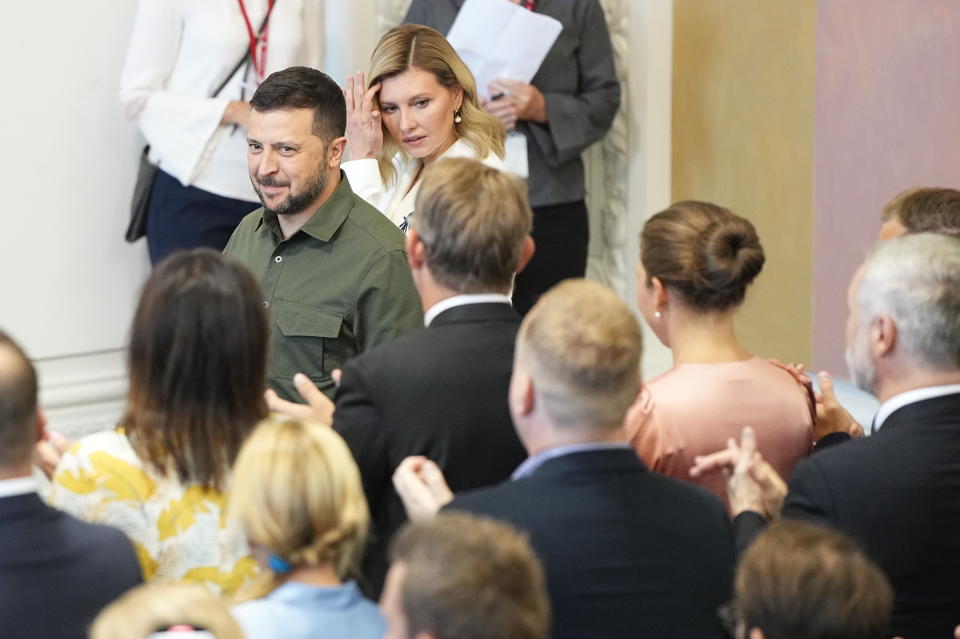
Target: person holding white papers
(567,106)
(419,105)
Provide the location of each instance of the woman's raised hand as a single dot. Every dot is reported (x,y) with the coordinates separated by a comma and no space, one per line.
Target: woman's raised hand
(364,134)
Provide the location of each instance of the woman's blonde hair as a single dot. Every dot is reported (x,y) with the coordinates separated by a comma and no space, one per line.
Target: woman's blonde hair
(416,46)
(150,608)
(296,492)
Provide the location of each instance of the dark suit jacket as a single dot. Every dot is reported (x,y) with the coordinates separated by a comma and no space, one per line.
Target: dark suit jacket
(441,393)
(57,572)
(627,553)
(897,493)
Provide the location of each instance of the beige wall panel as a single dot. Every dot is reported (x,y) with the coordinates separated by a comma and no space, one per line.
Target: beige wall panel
(743,103)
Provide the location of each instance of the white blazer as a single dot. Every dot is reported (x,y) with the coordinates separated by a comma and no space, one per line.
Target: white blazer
(396,202)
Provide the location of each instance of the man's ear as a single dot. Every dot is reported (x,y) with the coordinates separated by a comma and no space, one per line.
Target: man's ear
(523,395)
(41,425)
(883,336)
(526,253)
(335,152)
(416,250)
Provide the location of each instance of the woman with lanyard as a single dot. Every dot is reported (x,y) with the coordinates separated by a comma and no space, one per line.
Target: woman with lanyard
(180,53)
(568,106)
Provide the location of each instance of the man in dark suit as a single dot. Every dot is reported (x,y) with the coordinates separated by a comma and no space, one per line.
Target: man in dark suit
(56,572)
(626,552)
(443,392)
(898,491)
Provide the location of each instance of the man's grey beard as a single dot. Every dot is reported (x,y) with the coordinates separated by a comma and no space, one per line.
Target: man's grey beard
(862,371)
(294,203)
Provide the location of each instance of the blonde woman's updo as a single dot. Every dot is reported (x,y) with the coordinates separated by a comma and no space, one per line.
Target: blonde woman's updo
(416,46)
(703,252)
(297,493)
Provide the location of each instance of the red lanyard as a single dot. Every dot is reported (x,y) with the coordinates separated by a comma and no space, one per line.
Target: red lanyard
(529,4)
(258,44)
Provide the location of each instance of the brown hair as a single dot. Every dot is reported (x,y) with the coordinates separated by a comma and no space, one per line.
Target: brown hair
(296,491)
(703,252)
(153,607)
(197,361)
(582,346)
(18,403)
(926,209)
(416,46)
(805,581)
(469,577)
(473,221)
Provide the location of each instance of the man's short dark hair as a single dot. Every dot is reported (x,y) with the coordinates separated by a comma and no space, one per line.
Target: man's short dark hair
(926,209)
(18,403)
(805,581)
(469,577)
(305,88)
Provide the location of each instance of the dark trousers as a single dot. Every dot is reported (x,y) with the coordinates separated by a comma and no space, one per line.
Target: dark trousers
(562,235)
(183,217)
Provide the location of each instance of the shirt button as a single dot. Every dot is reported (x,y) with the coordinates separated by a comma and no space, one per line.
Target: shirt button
(266,304)
(278,259)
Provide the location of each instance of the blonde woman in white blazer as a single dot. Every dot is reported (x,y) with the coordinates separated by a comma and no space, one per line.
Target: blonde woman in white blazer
(419,105)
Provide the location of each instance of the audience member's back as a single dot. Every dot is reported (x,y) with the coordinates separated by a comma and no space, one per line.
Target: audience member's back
(56,572)
(626,552)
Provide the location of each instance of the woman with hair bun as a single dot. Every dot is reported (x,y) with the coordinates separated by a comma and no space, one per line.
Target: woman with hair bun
(297,496)
(419,105)
(696,261)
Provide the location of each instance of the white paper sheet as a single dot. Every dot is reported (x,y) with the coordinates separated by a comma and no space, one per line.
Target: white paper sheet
(498,39)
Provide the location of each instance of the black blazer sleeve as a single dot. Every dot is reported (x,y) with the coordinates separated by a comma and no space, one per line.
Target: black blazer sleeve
(808,495)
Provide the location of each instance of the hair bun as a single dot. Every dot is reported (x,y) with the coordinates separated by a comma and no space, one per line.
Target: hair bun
(732,256)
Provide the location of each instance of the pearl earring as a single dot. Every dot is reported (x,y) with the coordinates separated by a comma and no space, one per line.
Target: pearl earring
(657,314)
(457,117)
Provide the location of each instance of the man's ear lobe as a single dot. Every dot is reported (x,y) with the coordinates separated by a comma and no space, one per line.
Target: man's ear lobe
(335,151)
(883,335)
(526,253)
(416,250)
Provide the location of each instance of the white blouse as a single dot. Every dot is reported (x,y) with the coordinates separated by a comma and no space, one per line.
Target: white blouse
(396,202)
(181,50)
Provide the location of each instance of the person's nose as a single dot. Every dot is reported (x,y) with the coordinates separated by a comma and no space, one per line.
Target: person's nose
(268,163)
(407,120)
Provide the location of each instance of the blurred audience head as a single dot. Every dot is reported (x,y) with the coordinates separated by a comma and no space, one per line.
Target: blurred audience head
(197,365)
(922,209)
(157,608)
(458,576)
(804,581)
(904,307)
(20,421)
(577,364)
(305,88)
(413,61)
(296,494)
(700,255)
(471,228)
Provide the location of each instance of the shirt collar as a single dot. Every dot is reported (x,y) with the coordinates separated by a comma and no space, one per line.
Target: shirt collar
(325,220)
(910,397)
(531,464)
(17,486)
(463,300)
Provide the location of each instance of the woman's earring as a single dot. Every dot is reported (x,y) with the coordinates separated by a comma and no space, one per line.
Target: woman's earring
(657,314)
(457,116)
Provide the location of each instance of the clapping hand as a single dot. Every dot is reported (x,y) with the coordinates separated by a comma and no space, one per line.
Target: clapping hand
(421,486)
(831,416)
(752,483)
(319,407)
(364,133)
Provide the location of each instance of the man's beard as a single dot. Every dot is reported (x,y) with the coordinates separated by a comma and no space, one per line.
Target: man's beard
(861,369)
(293,203)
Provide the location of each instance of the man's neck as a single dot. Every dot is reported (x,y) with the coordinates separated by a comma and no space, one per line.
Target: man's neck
(290,223)
(567,436)
(16,472)
(916,379)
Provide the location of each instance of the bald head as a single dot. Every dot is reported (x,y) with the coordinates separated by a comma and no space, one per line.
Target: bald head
(18,404)
(581,346)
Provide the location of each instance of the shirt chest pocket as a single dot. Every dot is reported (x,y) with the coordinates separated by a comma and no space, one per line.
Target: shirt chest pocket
(307,341)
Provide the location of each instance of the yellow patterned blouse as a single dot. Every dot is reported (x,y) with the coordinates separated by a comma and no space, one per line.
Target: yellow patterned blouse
(180,533)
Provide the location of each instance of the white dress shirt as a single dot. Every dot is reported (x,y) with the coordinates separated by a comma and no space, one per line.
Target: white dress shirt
(17,486)
(396,202)
(463,300)
(911,397)
(180,51)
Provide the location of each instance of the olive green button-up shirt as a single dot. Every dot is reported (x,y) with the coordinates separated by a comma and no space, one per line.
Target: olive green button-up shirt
(337,287)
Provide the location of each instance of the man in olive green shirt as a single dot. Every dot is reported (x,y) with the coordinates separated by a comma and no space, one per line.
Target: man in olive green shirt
(333,269)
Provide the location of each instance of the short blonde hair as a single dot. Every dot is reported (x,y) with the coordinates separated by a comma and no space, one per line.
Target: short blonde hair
(582,348)
(153,607)
(416,46)
(296,491)
(473,220)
